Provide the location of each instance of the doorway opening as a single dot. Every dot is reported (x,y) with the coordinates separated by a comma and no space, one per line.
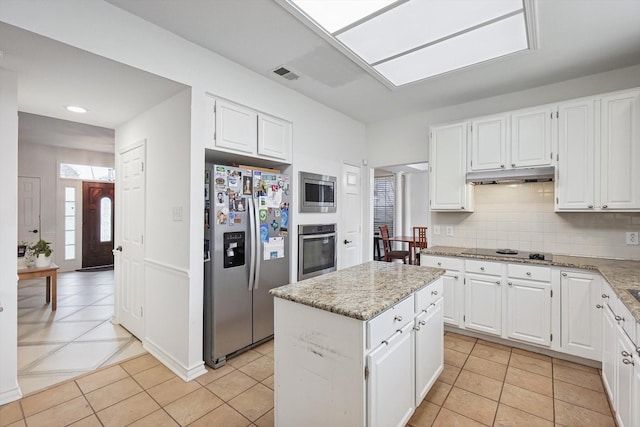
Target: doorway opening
(97,224)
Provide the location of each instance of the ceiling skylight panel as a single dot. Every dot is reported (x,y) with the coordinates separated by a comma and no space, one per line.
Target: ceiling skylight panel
(488,42)
(333,15)
(419,22)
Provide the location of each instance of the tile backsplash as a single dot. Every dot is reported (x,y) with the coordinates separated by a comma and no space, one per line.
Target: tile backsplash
(521,216)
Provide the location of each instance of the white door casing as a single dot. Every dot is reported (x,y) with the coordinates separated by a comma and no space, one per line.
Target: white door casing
(351,234)
(130,231)
(28,209)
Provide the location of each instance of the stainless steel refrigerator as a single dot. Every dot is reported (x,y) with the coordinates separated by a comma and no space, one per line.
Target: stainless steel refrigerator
(246,249)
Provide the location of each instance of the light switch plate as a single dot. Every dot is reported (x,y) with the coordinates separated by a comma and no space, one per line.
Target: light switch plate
(632,238)
(450,231)
(436,230)
(177,213)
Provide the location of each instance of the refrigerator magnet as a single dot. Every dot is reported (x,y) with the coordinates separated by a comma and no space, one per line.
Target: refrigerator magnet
(263,215)
(284,218)
(274,225)
(246,185)
(221,216)
(264,233)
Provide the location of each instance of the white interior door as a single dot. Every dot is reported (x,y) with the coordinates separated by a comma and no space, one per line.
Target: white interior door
(129,259)
(28,209)
(351,235)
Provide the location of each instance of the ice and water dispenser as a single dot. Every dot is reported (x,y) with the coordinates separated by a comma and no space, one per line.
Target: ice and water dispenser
(233,249)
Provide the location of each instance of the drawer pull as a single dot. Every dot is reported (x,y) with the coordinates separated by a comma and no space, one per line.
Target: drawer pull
(599,305)
(564,274)
(618,318)
(510,283)
(497,282)
(625,353)
(434,292)
(605,296)
(528,273)
(455,277)
(481,268)
(439,263)
(422,322)
(628,362)
(398,318)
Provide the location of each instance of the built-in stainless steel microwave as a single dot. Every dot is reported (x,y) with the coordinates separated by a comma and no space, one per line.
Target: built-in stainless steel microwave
(318,193)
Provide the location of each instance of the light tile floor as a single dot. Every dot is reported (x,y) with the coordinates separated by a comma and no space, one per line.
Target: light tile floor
(482,384)
(77,338)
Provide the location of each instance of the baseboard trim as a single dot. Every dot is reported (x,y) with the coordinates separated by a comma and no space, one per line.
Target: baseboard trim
(187,374)
(10,395)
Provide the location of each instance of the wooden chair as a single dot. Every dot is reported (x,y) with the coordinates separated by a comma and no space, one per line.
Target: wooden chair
(419,242)
(390,254)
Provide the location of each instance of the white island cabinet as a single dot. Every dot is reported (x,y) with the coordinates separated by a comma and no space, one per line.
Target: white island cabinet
(358,347)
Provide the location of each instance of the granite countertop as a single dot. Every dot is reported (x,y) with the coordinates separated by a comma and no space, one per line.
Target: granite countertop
(620,274)
(362,291)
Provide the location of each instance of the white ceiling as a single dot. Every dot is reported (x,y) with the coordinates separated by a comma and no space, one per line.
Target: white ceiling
(576,38)
(52,75)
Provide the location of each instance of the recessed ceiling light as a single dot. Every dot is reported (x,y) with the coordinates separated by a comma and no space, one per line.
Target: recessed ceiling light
(75,109)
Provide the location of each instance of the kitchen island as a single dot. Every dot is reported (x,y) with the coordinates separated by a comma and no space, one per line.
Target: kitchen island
(359,347)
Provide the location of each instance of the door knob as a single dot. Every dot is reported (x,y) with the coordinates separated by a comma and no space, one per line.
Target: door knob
(119,249)
(346,242)
(34,231)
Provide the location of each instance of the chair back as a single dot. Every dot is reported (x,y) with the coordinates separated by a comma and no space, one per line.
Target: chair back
(386,243)
(420,242)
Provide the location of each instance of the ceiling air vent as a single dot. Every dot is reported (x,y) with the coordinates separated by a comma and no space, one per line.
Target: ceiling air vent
(287,74)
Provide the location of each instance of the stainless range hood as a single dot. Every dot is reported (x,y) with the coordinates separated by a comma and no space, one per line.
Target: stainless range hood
(518,175)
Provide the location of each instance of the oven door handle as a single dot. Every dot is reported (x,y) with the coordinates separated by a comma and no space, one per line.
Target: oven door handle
(317,236)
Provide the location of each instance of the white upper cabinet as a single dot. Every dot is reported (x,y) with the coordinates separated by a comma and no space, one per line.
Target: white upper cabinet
(520,139)
(575,179)
(531,137)
(240,130)
(488,143)
(620,151)
(274,137)
(236,128)
(448,158)
(599,153)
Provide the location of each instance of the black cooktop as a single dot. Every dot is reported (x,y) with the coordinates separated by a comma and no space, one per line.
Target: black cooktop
(635,293)
(510,253)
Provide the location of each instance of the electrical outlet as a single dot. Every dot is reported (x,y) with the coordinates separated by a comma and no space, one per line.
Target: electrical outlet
(436,230)
(450,231)
(632,238)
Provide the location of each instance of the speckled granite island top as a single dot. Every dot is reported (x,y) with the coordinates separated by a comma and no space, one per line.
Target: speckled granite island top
(620,274)
(362,291)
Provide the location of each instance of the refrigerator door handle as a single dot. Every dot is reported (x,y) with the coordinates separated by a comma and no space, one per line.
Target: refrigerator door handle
(258,242)
(252,240)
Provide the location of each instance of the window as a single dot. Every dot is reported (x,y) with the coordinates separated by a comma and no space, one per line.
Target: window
(86,172)
(383,203)
(105,219)
(69,223)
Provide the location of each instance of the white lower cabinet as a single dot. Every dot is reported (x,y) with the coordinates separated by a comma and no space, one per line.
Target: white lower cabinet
(529,311)
(333,370)
(390,387)
(452,280)
(483,303)
(581,324)
(620,362)
(429,333)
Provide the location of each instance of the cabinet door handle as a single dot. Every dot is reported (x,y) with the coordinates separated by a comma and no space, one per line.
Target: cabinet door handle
(462,207)
(628,362)
(497,282)
(422,323)
(528,273)
(564,274)
(590,206)
(618,318)
(502,166)
(605,206)
(434,292)
(598,305)
(481,268)
(455,277)
(513,165)
(439,263)
(398,318)
(625,353)
(605,296)
(510,283)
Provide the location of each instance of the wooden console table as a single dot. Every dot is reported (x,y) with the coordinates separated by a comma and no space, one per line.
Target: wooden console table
(51,273)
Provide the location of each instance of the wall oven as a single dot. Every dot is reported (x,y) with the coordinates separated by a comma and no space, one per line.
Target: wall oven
(318,193)
(316,250)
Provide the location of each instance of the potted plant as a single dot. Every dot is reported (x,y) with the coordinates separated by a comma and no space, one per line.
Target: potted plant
(42,252)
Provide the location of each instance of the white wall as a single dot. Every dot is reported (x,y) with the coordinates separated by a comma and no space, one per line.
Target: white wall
(9,389)
(167,323)
(521,217)
(416,199)
(43,161)
(322,137)
(409,135)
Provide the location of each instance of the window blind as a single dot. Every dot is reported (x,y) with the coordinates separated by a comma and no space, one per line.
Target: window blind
(383,203)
